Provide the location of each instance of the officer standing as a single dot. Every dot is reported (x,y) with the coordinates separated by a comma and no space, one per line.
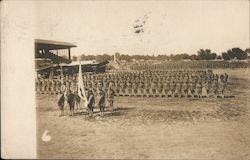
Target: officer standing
(111,95)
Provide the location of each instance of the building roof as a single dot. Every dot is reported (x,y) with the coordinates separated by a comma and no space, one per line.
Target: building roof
(51,45)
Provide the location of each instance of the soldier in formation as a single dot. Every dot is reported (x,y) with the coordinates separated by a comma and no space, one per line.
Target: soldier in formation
(197,83)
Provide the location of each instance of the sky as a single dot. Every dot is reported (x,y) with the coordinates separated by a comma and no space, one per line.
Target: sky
(168,27)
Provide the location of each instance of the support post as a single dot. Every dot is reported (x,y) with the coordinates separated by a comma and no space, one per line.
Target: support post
(69,54)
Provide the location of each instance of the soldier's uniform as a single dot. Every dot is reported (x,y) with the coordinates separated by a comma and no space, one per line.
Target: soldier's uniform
(226,77)
(198,89)
(215,89)
(37,85)
(45,82)
(189,88)
(204,89)
(147,88)
(177,89)
(111,95)
(164,90)
(53,86)
(134,89)
(184,89)
(172,89)
(221,88)
(101,101)
(58,86)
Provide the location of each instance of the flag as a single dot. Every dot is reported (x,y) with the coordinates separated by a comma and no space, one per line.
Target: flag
(61,73)
(81,90)
(116,60)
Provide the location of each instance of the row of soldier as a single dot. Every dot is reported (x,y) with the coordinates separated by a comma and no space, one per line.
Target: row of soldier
(162,84)
(189,64)
(156,76)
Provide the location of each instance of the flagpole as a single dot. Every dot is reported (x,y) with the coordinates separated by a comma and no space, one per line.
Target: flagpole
(81,89)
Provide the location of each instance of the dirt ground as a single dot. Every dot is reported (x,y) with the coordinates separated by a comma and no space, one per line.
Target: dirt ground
(153,128)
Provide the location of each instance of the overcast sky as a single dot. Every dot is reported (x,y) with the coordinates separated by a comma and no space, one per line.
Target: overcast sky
(170,27)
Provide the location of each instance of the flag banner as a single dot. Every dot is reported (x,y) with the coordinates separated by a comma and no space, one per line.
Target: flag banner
(81,90)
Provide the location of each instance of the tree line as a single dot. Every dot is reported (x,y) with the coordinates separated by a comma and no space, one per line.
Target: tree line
(202,54)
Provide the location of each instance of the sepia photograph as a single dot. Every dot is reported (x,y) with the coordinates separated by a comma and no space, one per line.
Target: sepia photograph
(139,79)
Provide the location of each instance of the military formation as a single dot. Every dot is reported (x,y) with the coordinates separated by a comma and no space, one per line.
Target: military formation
(168,83)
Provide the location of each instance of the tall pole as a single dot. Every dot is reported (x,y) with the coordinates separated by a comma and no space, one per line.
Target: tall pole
(69,54)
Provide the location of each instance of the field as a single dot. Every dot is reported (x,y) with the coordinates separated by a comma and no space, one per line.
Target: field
(153,128)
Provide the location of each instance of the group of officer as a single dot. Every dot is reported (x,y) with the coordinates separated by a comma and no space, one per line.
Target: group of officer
(170,83)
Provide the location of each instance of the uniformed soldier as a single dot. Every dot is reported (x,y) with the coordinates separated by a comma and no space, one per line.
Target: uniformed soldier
(226,78)
(37,85)
(177,90)
(141,89)
(101,102)
(172,89)
(204,89)
(111,95)
(134,89)
(221,88)
(58,86)
(53,86)
(184,89)
(45,86)
(199,89)
(215,89)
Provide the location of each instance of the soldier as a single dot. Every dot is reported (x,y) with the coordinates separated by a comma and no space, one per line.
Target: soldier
(158,89)
(164,90)
(226,77)
(172,89)
(198,89)
(204,89)
(209,88)
(141,89)
(189,88)
(111,95)
(122,89)
(134,88)
(184,89)
(58,86)
(101,102)
(91,102)
(129,88)
(215,89)
(45,86)
(53,86)
(221,88)
(152,88)
(194,90)
(37,85)
(117,88)
(67,83)
(177,90)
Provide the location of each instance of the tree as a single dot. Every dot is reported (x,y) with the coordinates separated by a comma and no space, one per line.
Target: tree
(234,53)
(203,54)
(193,57)
(239,53)
(74,58)
(219,57)
(212,56)
(247,51)
(225,56)
(206,54)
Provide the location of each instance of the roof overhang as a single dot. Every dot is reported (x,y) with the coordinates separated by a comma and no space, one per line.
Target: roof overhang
(52,45)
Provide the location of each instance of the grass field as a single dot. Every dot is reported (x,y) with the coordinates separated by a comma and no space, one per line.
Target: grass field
(153,128)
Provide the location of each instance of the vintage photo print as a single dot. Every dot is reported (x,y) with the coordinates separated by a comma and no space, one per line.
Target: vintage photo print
(125,79)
